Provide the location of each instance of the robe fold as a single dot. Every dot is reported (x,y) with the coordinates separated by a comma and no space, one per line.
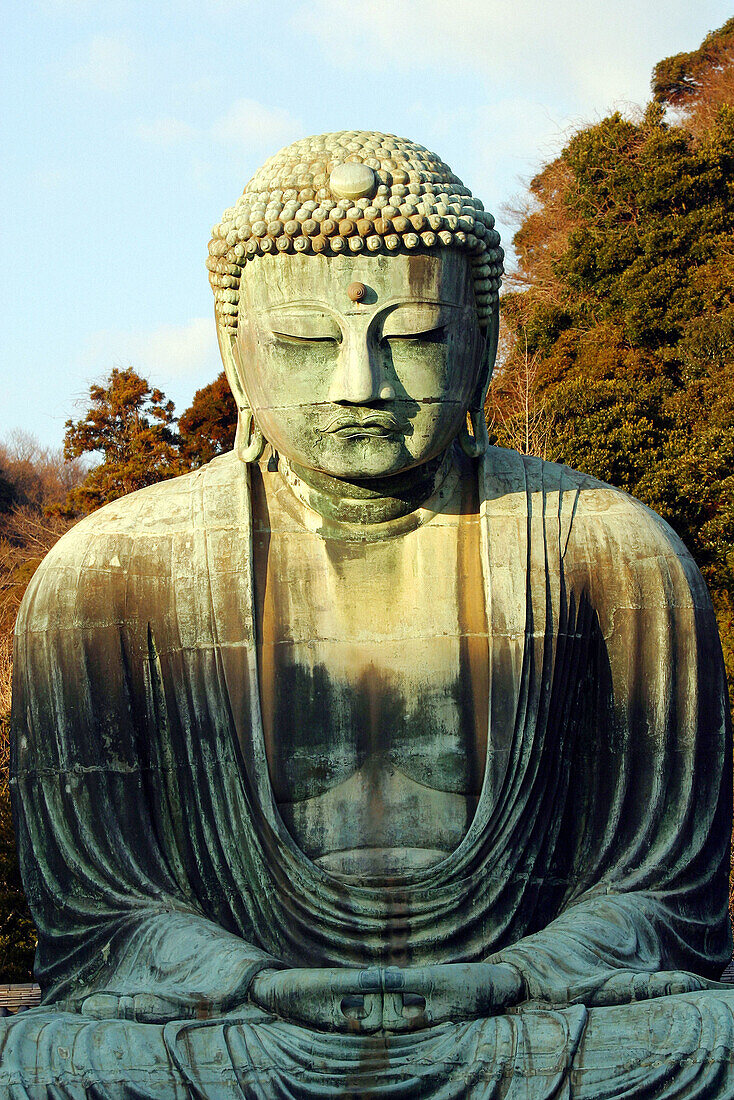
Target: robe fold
(156,862)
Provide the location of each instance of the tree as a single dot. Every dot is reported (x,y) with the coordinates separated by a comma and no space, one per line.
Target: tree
(517,415)
(17,931)
(37,481)
(32,476)
(684,79)
(132,427)
(7,493)
(207,428)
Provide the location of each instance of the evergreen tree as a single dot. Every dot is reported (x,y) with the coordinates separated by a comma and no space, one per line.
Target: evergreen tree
(207,428)
(132,427)
(687,78)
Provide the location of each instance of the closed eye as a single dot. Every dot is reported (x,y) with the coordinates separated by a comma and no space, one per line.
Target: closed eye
(288,338)
(431,336)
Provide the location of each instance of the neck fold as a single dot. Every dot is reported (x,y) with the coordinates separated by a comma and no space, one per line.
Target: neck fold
(369,508)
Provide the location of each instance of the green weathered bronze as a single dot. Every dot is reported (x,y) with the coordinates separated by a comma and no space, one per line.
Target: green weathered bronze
(370,760)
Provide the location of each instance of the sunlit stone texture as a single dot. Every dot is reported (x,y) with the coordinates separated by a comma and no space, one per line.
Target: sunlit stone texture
(370,760)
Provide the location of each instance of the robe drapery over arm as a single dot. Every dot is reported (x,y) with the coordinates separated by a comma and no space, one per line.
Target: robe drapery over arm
(153,854)
(642,851)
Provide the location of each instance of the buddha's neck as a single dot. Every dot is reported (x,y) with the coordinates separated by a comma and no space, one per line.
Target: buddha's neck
(371,502)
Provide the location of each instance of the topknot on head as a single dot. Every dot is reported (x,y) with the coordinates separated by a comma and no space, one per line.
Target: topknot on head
(351,192)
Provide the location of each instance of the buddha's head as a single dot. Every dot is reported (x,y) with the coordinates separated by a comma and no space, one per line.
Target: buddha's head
(356,295)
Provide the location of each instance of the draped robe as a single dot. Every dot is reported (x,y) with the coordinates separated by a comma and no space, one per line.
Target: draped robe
(155,860)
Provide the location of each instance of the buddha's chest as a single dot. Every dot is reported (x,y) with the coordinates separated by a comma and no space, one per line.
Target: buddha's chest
(373,682)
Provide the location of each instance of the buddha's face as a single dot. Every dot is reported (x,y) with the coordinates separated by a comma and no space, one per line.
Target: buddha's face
(366,388)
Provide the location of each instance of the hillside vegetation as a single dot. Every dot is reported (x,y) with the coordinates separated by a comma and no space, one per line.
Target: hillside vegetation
(618,344)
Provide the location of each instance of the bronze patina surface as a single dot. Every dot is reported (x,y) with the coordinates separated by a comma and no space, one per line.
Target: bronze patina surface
(370,760)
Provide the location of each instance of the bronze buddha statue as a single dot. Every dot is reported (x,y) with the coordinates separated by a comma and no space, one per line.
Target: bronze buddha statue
(370,759)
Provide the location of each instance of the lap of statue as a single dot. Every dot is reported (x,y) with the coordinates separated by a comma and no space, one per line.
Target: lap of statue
(666,1047)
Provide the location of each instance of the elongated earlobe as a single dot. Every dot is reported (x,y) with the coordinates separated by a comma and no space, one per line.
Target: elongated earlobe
(249,442)
(474,443)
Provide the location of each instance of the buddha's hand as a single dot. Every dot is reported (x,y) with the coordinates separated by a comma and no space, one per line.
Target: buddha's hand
(330,998)
(631,985)
(422,996)
(390,999)
(146,1008)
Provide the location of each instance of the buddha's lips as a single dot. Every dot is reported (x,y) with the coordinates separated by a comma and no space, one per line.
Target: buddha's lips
(373,422)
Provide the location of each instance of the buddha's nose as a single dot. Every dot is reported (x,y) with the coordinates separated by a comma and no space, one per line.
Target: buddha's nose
(359,377)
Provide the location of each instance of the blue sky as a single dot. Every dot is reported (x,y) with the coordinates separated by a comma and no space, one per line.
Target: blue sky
(128,127)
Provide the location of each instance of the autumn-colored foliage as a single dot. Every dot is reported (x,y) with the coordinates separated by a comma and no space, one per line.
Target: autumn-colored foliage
(687,79)
(207,428)
(134,429)
(131,426)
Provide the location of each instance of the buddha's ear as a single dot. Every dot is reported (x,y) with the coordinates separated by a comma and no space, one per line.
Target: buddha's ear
(249,440)
(475,443)
(230,354)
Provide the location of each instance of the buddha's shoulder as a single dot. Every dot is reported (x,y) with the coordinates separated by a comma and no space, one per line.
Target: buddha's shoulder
(143,525)
(590,509)
(163,508)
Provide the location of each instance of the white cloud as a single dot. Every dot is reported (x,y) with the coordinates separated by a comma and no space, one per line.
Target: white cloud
(181,349)
(105,63)
(248,125)
(256,127)
(521,134)
(540,47)
(162,354)
(165,131)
